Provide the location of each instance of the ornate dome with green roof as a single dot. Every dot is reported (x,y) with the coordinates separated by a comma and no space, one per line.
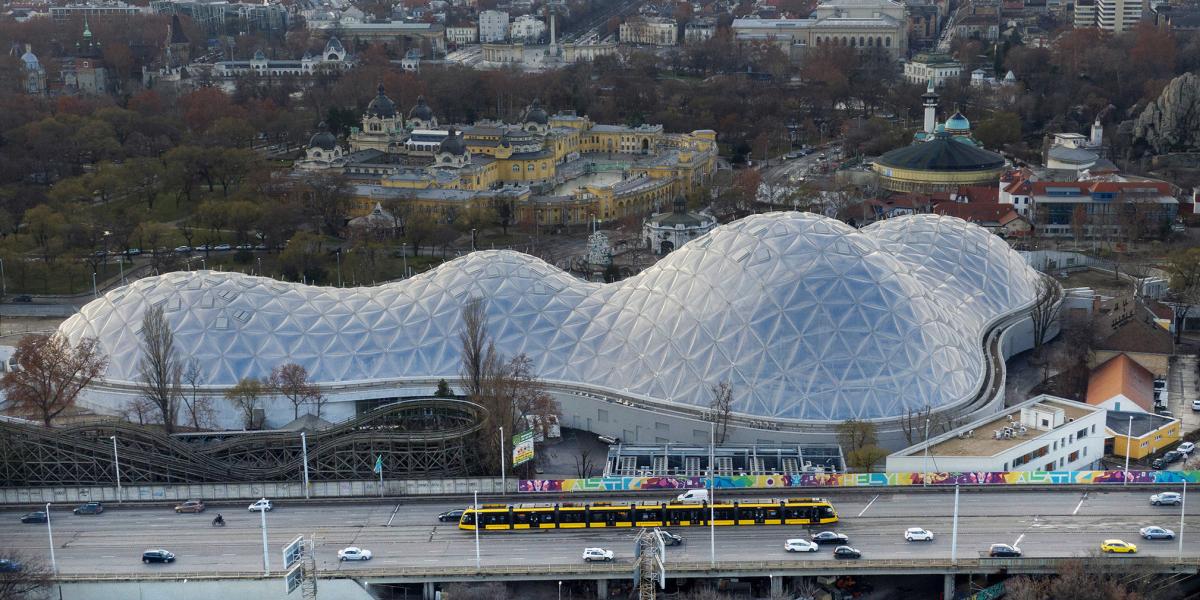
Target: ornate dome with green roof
(939,165)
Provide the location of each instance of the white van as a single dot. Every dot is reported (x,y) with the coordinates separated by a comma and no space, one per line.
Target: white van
(693,497)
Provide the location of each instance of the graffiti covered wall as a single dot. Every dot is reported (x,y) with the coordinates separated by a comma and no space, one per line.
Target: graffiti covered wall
(831,480)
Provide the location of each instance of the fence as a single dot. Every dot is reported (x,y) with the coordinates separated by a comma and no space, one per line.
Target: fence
(244,491)
(851,480)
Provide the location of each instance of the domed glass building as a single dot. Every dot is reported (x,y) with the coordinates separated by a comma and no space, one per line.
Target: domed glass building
(810,320)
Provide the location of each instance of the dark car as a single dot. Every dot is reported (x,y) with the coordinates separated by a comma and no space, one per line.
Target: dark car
(1158,464)
(8,565)
(1004,550)
(23,298)
(670,539)
(846,552)
(829,537)
(159,556)
(91,508)
(34,517)
(451,516)
(190,506)
(1173,456)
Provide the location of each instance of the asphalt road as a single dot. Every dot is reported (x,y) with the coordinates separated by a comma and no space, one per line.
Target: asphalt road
(1042,523)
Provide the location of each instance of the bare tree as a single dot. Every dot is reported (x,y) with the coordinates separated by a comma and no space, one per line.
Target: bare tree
(477,347)
(1184,268)
(1096,579)
(912,423)
(51,374)
(722,407)
(199,408)
(291,381)
(160,371)
(1045,311)
(30,580)
(139,410)
(246,395)
(584,465)
(478,591)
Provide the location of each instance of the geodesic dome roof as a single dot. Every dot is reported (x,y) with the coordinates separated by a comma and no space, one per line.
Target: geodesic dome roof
(806,317)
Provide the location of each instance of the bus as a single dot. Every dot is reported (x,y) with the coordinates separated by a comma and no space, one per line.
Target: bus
(592,515)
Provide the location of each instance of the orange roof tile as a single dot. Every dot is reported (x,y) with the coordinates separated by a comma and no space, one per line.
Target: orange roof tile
(1121,375)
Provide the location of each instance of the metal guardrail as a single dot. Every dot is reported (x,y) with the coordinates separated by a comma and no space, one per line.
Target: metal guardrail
(621,569)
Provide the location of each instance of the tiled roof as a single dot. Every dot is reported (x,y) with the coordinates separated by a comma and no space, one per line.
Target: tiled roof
(1121,375)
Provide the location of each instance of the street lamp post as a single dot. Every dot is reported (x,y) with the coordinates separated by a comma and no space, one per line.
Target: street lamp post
(121,264)
(262,511)
(3,281)
(472,239)
(95,293)
(712,492)
(50,532)
(260,271)
(925,464)
(117,464)
(1128,448)
(304,457)
(559,590)
(339,266)
(478,524)
(503,480)
(1183,503)
(954,530)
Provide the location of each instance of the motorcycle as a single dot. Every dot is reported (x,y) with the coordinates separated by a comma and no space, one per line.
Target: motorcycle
(218,522)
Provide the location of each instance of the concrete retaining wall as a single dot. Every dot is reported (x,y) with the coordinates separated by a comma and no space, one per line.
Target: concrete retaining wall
(260,589)
(244,491)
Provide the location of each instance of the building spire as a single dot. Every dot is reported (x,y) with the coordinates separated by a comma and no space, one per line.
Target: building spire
(87,32)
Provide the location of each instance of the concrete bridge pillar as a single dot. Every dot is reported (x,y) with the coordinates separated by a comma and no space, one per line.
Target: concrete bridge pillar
(776,586)
(429,591)
(948,586)
(602,589)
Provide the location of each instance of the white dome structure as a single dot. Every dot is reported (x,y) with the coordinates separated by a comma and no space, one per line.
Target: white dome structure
(807,318)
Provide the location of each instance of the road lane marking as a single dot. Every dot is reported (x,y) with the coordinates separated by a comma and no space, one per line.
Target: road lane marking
(1017,544)
(394,511)
(1078,506)
(864,510)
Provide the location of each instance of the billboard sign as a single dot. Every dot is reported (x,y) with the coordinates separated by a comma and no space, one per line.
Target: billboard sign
(293,552)
(522,448)
(294,578)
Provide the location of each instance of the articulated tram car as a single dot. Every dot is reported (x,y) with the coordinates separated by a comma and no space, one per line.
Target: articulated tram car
(572,515)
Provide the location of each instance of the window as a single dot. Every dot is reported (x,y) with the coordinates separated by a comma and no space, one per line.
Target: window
(1031,456)
(1049,466)
(1055,446)
(661,426)
(1082,433)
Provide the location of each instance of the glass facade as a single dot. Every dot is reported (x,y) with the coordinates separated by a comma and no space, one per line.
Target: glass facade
(805,317)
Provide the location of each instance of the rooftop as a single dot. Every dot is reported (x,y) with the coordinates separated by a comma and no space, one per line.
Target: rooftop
(1143,423)
(983,443)
(1121,376)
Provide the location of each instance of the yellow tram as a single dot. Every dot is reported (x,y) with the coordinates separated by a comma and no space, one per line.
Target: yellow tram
(580,515)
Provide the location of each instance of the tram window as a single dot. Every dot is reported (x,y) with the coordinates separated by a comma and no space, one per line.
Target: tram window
(468,519)
(723,514)
(793,512)
(545,517)
(649,515)
(495,519)
(682,514)
(603,516)
(622,515)
(772,513)
(521,518)
(827,512)
(570,516)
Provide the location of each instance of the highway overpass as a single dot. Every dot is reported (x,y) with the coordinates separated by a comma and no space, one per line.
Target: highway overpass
(411,546)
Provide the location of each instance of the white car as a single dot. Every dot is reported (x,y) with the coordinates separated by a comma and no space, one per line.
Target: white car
(1166,498)
(916,534)
(353,553)
(263,504)
(1187,448)
(590,554)
(800,545)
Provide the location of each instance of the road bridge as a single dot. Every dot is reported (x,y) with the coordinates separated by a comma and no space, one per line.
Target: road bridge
(411,546)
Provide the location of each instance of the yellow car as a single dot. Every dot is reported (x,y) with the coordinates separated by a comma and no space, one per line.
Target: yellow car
(1117,546)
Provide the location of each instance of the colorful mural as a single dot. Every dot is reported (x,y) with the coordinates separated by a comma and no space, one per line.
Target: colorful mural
(828,480)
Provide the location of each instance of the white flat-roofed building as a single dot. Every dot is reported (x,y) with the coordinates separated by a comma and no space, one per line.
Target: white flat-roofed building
(493,26)
(1045,433)
(655,31)
(937,67)
(467,34)
(526,27)
(862,24)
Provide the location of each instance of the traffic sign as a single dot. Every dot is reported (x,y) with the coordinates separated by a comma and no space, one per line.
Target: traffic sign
(294,578)
(293,552)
